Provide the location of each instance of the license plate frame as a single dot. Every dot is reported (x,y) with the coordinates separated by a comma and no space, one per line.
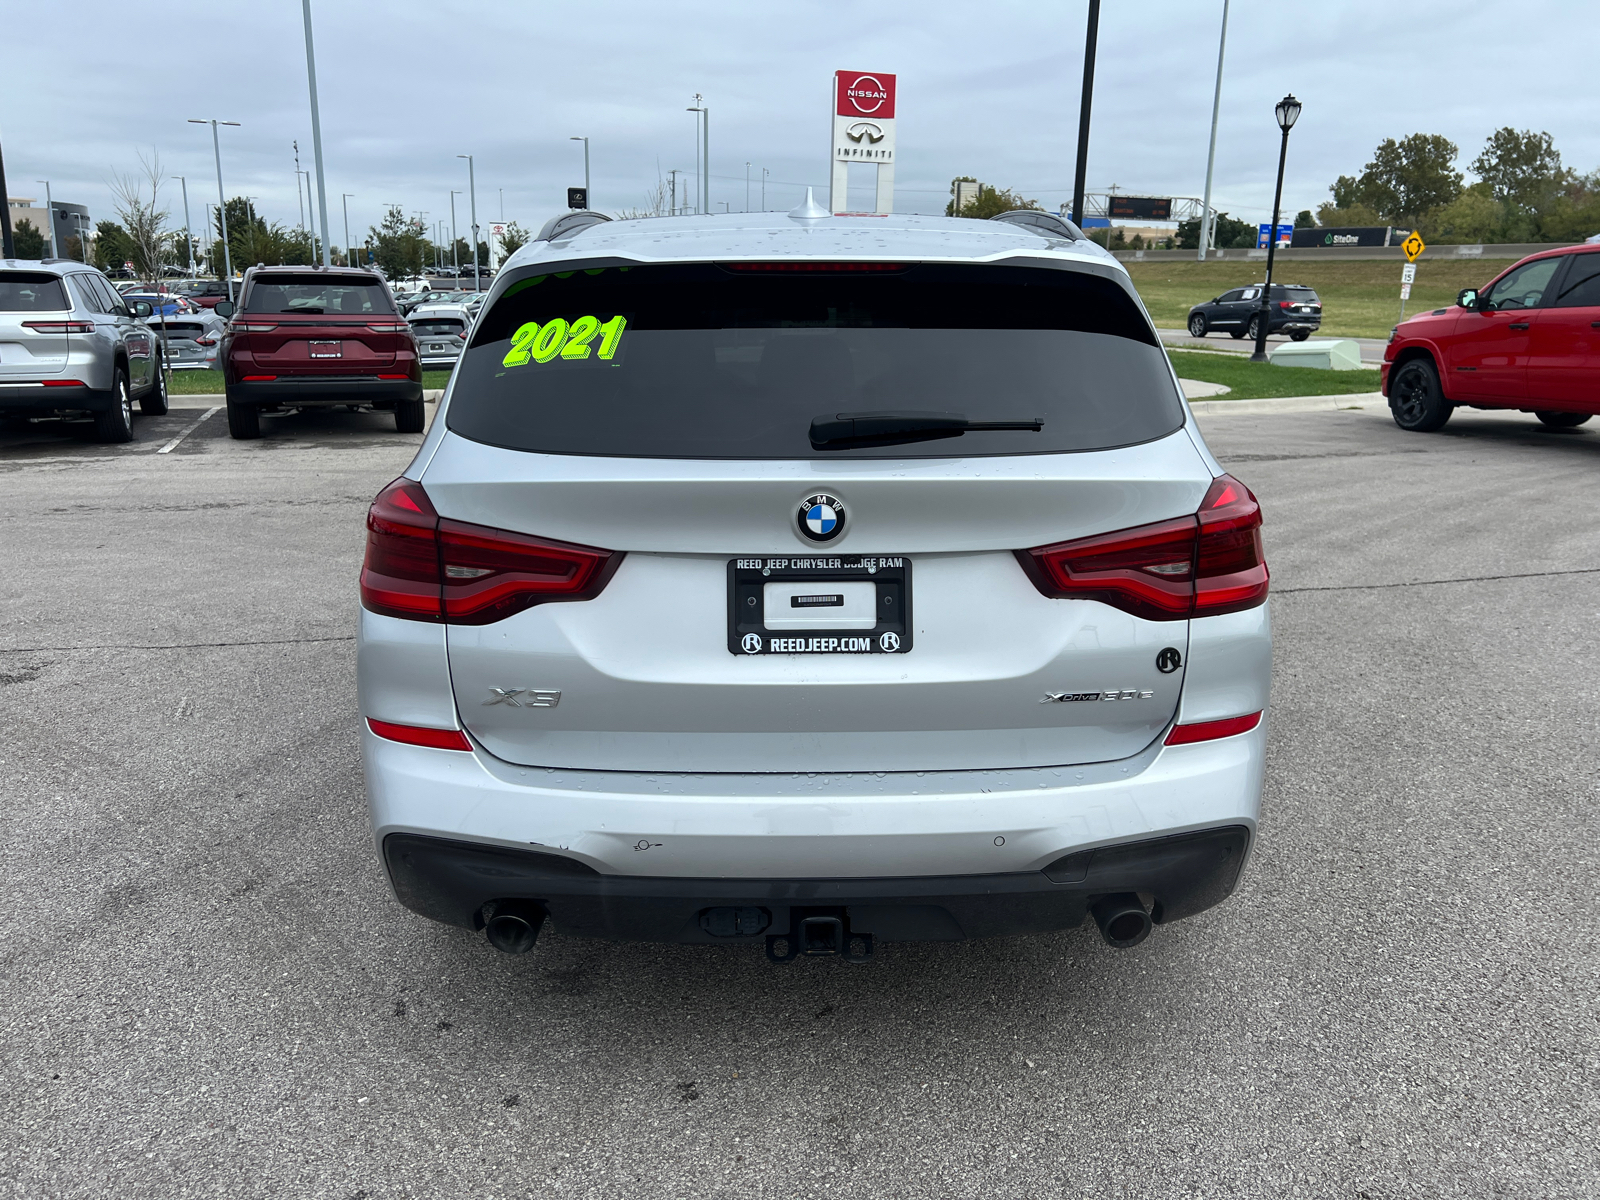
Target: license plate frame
(313,351)
(748,576)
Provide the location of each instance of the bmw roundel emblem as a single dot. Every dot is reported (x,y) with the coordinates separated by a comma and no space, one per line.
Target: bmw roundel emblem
(821,517)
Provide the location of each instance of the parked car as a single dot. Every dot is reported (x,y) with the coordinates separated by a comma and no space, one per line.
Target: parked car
(207,293)
(193,340)
(307,337)
(441,331)
(678,629)
(1291,309)
(1529,340)
(69,345)
(162,304)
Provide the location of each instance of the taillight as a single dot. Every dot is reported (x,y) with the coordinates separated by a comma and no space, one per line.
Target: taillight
(1196,566)
(423,568)
(1286,303)
(59,326)
(255,326)
(205,341)
(391,327)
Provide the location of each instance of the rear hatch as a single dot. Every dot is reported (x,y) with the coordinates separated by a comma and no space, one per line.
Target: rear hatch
(701,425)
(1298,301)
(438,334)
(312,323)
(35,325)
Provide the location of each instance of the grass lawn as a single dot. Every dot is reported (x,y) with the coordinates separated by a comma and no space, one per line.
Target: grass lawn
(1252,381)
(207,383)
(1359,299)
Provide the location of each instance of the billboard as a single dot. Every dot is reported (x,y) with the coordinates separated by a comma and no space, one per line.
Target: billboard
(1263,230)
(1140,208)
(1367,235)
(863,132)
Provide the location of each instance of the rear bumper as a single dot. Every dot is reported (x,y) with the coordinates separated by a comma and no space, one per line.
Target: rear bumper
(452,881)
(40,399)
(325,389)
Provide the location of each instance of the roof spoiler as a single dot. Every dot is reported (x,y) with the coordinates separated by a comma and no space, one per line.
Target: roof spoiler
(568,224)
(1045,224)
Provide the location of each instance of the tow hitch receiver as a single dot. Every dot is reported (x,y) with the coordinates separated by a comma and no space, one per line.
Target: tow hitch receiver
(819,935)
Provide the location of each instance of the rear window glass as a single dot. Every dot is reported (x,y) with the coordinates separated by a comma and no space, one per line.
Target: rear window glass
(437,327)
(317,294)
(1295,293)
(704,361)
(31,291)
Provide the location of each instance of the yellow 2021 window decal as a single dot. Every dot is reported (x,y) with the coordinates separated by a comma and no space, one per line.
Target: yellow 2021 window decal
(559,339)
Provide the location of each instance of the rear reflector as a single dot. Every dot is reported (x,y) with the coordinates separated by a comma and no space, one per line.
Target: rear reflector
(817,266)
(422,568)
(1207,731)
(257,378)
(420,735)
(1196,566)
(64,383)
(394,377)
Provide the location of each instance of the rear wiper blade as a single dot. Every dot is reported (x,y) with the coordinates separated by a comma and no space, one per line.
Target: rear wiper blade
(841,431)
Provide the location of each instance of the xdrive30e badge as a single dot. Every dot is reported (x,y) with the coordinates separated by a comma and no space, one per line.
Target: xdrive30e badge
(1080,697)
(821,517)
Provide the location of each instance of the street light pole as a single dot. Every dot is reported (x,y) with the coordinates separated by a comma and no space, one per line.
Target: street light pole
(702,153)
(345,200)
(764,173)
(1287,112)
(455,257)
(316,134)
(49,216)
(747,187)
(472,197)
(1206,220)
(188,234)
(588,197)
(222,203)
(1090,38)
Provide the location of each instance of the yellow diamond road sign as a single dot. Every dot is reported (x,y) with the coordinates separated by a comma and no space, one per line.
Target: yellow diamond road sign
(1413,247)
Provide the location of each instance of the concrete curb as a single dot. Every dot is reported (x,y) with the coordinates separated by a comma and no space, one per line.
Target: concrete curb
(206,400)
(1288,404)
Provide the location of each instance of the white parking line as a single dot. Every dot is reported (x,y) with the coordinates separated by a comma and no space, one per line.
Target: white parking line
(188,429)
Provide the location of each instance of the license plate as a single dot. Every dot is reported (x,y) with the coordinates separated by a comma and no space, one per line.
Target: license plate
(326,349)
(819,604)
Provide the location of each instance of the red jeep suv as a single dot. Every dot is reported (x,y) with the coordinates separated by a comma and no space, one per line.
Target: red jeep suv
(1529,341)
(304,337)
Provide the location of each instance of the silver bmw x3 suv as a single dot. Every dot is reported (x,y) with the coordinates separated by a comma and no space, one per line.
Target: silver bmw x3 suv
(813,581)
(70,345)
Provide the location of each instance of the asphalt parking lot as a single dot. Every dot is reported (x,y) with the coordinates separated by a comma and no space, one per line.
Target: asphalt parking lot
(208,990)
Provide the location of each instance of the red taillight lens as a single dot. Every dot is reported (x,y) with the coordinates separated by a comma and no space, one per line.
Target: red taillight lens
(205,341)
(420,735)
(426,569)
(256,378)
(1206,731)
(59,326)
(1202,565)
(63,383)
(1285,303)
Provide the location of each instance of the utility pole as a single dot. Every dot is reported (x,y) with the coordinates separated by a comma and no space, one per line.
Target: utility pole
(455,256)
(747,187)
(345,200)
(188,234)
(222,204)
(1206,220)
(316,136)
(472,197)
(672,184)
(1083,113)
(764,174)
(297,173)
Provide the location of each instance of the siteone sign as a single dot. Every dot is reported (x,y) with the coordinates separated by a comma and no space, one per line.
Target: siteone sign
(863,131)
(1366,235)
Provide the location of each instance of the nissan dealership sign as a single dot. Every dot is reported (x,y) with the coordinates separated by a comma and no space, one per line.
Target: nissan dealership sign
(863,132)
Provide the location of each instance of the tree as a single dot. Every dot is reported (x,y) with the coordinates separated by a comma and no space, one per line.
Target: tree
(112,247)
(144,220)
(28,240)
(991,202)
(1406,180)
(1353,214)
(1522,168)
(1473,217)
(1304,220)
(399,247)
(1227,234)
(514,238)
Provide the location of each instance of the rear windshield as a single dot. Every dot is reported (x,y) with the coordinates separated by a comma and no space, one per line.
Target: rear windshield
(437,327)
(316,294)
(31,291)
(1303,294)
(704,361)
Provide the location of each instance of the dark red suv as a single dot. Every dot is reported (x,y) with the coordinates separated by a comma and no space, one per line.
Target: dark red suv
(1529,341)
(310,336)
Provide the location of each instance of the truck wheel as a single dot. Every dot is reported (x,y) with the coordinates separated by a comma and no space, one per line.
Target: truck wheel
(154,402)
(115,424)
(244,420)
(1415,398)
(409,416)
(1561,420)
(1197,325)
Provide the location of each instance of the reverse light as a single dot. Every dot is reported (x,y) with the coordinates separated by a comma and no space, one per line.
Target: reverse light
(422,567)
(1207,731)
(59,326)
(420,735)
(1198,566)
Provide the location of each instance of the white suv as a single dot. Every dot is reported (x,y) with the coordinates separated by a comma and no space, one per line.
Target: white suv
(813,581)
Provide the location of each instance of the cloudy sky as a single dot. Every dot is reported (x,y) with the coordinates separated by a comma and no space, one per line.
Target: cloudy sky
(985,89)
